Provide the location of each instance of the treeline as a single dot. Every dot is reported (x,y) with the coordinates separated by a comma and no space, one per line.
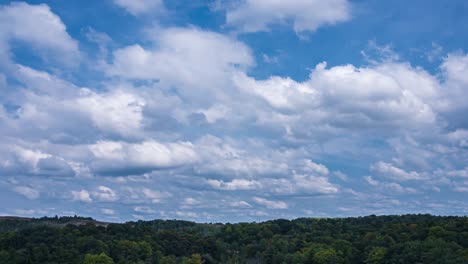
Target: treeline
(369,240)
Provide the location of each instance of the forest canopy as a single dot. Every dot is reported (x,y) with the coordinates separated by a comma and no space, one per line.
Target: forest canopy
(370,240)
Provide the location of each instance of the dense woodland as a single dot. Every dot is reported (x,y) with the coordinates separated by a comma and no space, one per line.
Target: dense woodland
(371,240)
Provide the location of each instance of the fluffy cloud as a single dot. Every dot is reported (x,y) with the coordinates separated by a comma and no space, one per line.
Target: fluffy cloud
(116,111)
(33,162)
(314,184)
(190,51)
(112,157)
(105,194)
(459,137)
(395,173)
(37,26)
(227,157)
(390,187)
(81,196)
(455,67)
(236,184)
(270,204)
(184,111)
(108,211)
(305,15)
(154,196)
(138,7)
(463,173)
(144,210)
(384,96)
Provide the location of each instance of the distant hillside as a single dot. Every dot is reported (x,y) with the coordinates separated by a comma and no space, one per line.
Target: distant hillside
(11,223)
(370,240)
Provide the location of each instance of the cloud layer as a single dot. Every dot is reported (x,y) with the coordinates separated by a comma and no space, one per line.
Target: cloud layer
(179,125)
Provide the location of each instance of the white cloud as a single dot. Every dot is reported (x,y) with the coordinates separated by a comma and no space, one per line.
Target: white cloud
(461,189)
(305,15)
(155,196)
(191,201)
(144,210)
(459,136)
(139,7)
(281,93)
(186,214)
(389,187)
(113,157)
(37,26)
(215,113)
(230,158)
(184,59)
(116,111)
(310,166)
(314,184)
(31,157)
(27,192)
(240,204)
(382,97)
(271,204)
(105,194)
(395,173)
(81,196)
(455,67)
(299,184)
(236,184)
(107,211)
(371,181)
(457,173)
(33,162)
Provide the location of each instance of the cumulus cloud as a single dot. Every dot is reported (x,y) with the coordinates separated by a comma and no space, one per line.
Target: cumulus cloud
(240,204)
(454,105)
(155,196)
(190,51)
(236,184)
(139,7)
(117,111)
(190,201)
(304,15)
(391,187)
(184,111)
(81,196)
(314,184)
(383,96)
(127,158)
(105,194)
(33,162)
(108,211)
(38,26)
(227,157)
(144,210)
(390,171)
(54,167)
(455,66)
(459,137)
(270,204)
(463,173)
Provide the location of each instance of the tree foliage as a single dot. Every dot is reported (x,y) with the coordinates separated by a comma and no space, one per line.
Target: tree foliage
(370,240)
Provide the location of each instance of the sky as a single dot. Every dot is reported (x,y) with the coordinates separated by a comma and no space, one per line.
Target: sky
(233,110)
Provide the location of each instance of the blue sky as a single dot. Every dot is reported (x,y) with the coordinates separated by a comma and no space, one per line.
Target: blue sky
(233,110)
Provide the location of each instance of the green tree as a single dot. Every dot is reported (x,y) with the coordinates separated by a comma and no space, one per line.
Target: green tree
(376,255)
(327,256)
(168,260)
(195,259)
(98,259)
